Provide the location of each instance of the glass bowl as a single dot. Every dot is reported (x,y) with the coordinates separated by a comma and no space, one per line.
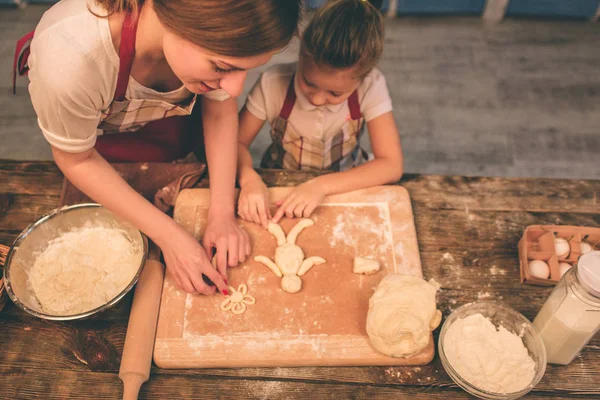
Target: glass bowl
(514,322)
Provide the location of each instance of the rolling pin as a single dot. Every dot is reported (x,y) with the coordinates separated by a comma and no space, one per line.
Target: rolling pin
(141,330)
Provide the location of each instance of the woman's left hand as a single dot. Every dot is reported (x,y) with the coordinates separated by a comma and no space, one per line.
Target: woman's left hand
(231,241)
(301,202)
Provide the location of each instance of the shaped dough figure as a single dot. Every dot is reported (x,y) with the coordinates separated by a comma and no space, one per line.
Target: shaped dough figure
(289,263)
(237,300)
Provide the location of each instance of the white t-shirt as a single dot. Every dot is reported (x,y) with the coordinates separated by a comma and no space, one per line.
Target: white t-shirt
(73,75)
(323,122)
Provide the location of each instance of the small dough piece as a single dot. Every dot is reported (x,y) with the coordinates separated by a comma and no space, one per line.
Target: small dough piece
(291,283)
(277,231)
(293,235)
(270,264)
(309,263)
(402,314)
(288,258)
(237,301)
(365,266)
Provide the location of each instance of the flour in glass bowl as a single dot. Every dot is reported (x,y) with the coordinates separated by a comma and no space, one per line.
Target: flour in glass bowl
(83,269)
(495,360)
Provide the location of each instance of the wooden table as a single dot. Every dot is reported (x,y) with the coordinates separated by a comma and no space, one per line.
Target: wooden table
(467,229)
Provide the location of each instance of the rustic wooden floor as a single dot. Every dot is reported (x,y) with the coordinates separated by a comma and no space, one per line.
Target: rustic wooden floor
(521,98)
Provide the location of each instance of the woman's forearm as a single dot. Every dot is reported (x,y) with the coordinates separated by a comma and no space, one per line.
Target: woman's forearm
(94,176)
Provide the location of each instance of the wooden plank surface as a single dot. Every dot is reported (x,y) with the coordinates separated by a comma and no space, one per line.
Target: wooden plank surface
(468,229)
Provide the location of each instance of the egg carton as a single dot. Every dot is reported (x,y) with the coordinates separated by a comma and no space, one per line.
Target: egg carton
(538,243)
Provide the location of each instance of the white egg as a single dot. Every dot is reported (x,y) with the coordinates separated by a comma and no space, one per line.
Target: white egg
(585,247)
(561,246)
(539,269)
(563,267)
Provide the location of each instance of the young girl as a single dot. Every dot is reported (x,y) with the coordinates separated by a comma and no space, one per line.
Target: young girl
(317,110)
(118,80)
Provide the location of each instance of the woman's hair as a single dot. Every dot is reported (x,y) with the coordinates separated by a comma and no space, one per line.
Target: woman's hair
(345,34)
(235,28)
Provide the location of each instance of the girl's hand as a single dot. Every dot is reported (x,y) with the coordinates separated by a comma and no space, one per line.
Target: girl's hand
(301,202)
(186,263)
(253,204)
(229,239)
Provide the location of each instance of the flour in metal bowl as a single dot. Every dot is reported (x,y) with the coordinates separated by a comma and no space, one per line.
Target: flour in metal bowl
(83,269)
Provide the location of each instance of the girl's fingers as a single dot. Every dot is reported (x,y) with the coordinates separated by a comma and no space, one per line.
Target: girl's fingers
(279,213)
(299,209)
(290,207)
(282,204)
(309,209)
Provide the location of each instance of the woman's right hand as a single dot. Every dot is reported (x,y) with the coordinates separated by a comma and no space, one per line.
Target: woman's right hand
(185,258)
(253,204)
(187,261)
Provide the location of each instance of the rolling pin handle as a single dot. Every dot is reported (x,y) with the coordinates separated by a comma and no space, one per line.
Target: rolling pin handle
(132,383)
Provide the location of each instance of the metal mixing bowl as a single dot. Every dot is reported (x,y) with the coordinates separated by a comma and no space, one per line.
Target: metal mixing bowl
(35,238)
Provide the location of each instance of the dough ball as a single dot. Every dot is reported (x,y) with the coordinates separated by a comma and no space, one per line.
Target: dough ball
(291,283)
(288,258)
(539,269)
(562,247)
(365,266)
(402,314)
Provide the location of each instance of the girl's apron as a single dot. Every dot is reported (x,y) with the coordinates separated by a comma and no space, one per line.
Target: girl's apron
(291,150)
(136,130)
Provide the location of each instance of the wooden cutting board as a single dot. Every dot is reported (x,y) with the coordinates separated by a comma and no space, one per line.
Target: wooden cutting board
(324,323)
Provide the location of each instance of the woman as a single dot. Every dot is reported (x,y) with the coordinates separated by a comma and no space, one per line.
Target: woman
(118,80)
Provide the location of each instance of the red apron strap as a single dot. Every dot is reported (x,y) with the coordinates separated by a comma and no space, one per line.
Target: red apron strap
(126,54)
(354,106)
(21,56)
(290,100)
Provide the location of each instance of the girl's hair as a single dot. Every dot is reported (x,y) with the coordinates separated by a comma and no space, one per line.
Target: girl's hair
(345,34)
(235,28)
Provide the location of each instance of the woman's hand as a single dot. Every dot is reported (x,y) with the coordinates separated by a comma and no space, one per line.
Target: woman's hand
(231,241)
(187,262)
(253,204)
